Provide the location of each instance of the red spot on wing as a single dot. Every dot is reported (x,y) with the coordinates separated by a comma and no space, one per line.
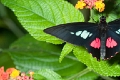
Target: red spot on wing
(95,43)
(110,43)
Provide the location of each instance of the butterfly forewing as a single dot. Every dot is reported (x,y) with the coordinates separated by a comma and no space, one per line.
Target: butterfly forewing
(115,26)
(77,33)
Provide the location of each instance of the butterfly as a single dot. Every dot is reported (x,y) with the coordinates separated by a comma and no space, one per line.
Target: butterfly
(102,40)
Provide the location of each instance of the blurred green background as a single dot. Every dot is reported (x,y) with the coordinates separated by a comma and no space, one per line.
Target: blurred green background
(10,31)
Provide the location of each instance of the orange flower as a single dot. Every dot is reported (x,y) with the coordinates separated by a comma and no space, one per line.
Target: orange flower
(14,74)
(5,76)
(1,70)
(9,70)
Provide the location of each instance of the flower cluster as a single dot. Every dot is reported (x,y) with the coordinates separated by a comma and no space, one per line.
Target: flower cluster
(14,74)
(97,4)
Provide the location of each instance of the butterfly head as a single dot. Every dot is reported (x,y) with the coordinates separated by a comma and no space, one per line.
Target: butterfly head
(102,19)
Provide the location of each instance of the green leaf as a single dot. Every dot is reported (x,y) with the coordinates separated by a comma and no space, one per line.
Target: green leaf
(30,54)
(85,74)
(89,76)
(102,67)
(36,15)
(46,74)
(66,50)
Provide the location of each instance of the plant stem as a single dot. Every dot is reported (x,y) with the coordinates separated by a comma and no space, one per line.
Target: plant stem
(81,73)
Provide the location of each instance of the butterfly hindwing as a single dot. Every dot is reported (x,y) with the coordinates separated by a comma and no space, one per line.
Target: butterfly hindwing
(93,45)
(112,44)
(77,33)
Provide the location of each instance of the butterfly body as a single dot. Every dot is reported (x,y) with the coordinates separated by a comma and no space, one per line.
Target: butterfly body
(102,40)
(102,33)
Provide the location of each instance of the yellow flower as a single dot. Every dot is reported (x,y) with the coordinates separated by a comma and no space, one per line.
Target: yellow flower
(99,5)
(81,4)
(15,73)
(31,73)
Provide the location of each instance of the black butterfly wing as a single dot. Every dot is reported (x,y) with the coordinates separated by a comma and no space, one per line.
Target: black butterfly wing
(115,26)
(94,51)
(77,33)
(112,44)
